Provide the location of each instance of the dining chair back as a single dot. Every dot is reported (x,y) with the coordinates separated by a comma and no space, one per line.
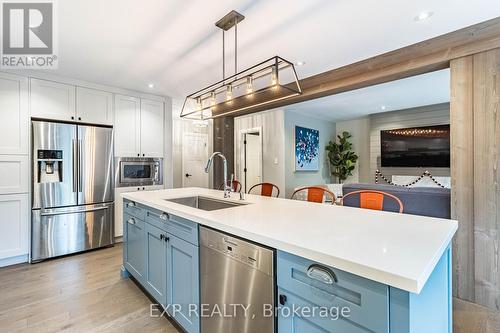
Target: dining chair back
(266,189)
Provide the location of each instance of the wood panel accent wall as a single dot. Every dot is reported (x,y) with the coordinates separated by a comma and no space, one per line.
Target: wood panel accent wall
(224,143)
(475,119)
(462,175)
(430,115)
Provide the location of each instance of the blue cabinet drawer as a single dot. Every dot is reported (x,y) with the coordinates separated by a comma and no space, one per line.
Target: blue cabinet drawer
(174,225)
(157,218)
(134,209)
(306,283)
(183,228)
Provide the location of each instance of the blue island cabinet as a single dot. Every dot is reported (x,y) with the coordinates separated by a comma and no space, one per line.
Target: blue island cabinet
(161,252)
(314,298)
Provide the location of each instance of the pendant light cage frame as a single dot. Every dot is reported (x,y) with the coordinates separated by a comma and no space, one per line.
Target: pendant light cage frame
(269,81)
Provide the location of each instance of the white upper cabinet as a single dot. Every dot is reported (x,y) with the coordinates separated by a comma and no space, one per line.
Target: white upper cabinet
(52,100)
(14,127)
(127,126)
(152,124)
(94,106)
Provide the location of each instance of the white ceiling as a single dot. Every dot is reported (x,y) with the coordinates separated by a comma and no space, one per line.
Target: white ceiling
(175,45)
(427,89)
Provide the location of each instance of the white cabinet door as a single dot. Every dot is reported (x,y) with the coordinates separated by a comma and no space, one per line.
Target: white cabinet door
(127,126)
(94,106)
(14,124)
(152,124)
(14,174)
(14,219)
(52,100)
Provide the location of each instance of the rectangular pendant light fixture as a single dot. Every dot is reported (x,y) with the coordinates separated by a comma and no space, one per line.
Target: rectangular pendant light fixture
(272,80)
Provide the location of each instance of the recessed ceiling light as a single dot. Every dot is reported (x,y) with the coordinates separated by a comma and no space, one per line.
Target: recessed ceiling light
(151,85)
(383,107)
(425,15)
(300,63)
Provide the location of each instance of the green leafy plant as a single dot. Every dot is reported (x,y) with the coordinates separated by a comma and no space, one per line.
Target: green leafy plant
(341,156)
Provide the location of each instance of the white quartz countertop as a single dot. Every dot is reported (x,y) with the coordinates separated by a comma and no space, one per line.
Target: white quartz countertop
(399,250)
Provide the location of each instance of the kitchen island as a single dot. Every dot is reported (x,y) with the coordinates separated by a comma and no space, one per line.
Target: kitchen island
(393,271)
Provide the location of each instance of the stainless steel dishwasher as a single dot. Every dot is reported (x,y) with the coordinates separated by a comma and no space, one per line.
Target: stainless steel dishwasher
(237,285)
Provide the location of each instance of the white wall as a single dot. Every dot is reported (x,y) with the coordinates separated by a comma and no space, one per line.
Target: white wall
(181,126)
(431,115)
(327,132)
(273,142)
(360,131)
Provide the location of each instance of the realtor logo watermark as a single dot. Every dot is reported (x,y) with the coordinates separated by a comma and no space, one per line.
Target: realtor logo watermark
(28,34)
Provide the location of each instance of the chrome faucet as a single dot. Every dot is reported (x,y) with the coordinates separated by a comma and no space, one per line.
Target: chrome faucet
(227,189)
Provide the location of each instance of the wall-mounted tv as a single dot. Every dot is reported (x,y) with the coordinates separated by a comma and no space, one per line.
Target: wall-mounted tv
(427,147)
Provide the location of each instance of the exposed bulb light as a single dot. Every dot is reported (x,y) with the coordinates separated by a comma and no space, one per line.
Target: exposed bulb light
(425,15)
(212,99)
(229,93)
(249,85)
(274,76)
(151,85)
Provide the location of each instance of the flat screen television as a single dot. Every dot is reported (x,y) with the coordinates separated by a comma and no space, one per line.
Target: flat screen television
(427,147)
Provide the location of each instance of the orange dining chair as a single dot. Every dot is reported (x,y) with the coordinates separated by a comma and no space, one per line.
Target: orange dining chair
(372,199)
(315,194)
(236,186)
(266,189)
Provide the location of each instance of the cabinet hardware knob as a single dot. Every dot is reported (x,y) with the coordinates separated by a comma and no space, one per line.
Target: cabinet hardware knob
(282,299)
(131,221)
(131,204)
(72,118)
(164,216)
(143,188)
(143,154)
(167,238)
(188,175)
(138,154)
(322,274)
(79,118)
(161,236)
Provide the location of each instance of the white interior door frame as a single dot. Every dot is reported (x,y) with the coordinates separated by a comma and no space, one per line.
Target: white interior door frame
(183,162)
(241,156)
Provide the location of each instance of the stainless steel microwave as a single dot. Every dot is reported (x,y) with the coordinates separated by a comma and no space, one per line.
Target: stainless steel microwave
(138,171)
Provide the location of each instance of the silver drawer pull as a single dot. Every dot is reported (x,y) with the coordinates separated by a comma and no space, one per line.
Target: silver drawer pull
(131,204)
(131,221)
(164,216)
(322,274)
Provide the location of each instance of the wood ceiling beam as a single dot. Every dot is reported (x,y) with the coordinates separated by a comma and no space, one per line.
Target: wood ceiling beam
(430,55)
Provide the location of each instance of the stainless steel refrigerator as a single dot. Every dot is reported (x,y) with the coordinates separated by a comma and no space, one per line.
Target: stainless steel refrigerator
(72,188)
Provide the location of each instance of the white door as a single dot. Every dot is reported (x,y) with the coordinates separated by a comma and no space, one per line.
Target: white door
(152,123)
(94,106)
(253,160)
(14,124)
(14,223)
(52,100)
(127,126)
(194,159)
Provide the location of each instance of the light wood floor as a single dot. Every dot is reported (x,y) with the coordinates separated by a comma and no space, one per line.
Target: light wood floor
(81,293)
(85,293)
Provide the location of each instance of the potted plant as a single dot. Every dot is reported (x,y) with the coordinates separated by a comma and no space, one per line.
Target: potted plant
(342,158)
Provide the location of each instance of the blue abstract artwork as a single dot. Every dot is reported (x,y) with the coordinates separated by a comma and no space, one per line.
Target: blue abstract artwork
(306,149)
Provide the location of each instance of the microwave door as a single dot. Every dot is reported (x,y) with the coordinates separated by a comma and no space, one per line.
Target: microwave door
(54,168)
(95,164)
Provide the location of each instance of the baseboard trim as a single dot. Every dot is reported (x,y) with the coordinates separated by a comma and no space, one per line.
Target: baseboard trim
(119,239)
(14,260)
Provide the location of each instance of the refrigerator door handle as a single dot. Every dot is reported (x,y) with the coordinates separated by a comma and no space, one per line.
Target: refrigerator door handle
(80,162)
(75,165)
(75,211)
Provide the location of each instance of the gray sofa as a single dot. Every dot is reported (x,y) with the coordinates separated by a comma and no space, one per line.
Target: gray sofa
(427,201)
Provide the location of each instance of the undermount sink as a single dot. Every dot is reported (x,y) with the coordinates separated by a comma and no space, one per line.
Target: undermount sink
(205,203)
